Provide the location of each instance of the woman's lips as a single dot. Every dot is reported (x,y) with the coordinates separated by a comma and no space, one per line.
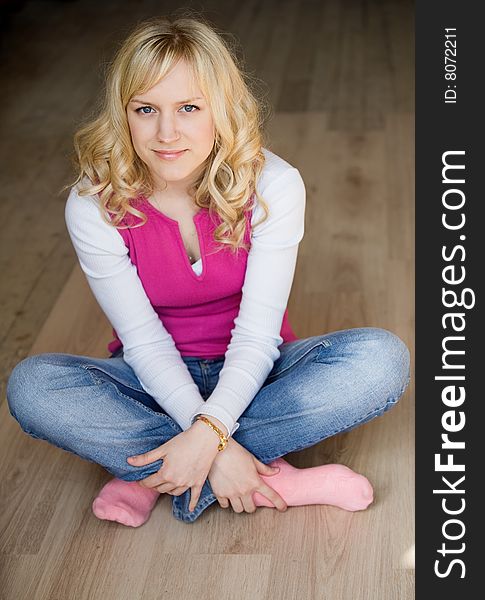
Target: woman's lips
(169,155)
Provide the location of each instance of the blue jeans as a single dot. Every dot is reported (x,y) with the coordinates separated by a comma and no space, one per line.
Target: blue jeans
(97,409)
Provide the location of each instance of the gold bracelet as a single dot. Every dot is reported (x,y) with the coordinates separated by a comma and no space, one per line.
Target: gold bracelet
(222,437)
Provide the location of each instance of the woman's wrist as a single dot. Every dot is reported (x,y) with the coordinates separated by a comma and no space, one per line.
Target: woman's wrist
(217,423)
(205,430)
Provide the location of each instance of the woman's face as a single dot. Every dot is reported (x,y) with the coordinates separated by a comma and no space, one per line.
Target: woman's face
(172,115)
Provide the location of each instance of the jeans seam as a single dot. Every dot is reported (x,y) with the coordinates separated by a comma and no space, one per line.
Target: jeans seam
(147,409)
(323,343)
(89,367)
(128,385)
(320,352)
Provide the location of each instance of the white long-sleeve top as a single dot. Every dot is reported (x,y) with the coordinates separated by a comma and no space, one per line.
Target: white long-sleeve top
(148,347)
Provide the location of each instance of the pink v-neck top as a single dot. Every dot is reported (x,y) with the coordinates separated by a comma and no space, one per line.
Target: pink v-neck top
(197,310)
(161,309)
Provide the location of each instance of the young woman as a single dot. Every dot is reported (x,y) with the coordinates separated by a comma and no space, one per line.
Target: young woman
(187,229)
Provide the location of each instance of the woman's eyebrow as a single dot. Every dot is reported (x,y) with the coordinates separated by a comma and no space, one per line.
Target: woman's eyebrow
(140,101)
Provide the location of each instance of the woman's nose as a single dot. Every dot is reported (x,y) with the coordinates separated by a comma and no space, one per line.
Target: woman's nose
(167,130)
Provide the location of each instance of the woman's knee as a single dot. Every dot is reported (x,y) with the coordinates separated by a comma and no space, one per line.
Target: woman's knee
(26,387)
(388,362)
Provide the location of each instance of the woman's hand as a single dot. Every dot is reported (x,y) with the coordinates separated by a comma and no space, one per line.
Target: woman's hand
(187,459)
(234,477)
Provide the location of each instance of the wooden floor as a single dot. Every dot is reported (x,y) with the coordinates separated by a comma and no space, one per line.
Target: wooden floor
(340,78)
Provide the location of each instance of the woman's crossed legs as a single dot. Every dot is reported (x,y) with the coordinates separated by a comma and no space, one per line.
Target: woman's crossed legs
(318,387)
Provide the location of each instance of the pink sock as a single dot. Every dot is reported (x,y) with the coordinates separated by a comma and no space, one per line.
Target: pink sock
(126,502)
(336,485)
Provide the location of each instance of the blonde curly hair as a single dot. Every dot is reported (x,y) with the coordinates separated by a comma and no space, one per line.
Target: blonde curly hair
(104,149)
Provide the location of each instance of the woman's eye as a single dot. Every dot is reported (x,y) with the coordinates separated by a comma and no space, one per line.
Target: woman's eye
(142,109)
(190,106)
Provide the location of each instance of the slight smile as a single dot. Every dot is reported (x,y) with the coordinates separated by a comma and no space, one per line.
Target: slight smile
(169,155)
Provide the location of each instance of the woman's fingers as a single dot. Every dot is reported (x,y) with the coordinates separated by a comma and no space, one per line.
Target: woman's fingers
(146,458)
(248,504)
(177,491)
(157,480)
(237,505)
(194,496)
(162,486)
(165,488)
(273,497)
